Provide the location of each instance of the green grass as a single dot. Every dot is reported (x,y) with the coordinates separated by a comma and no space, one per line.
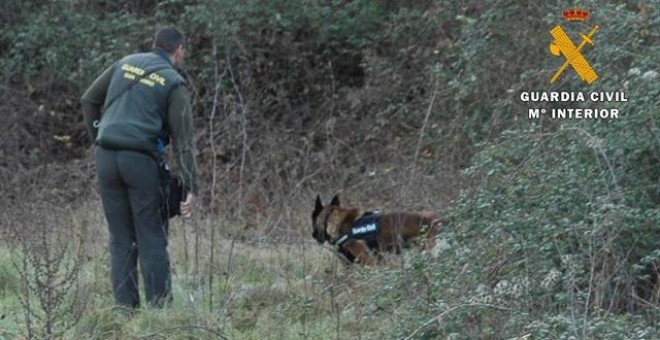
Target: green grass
(291,289)
(9,302)
(259,291)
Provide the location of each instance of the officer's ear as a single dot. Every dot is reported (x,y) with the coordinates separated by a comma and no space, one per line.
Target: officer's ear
(179,53)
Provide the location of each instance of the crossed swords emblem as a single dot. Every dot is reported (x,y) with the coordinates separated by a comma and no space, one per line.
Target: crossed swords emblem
(563,45)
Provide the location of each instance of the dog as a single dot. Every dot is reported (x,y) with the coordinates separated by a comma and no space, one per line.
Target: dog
(359,236)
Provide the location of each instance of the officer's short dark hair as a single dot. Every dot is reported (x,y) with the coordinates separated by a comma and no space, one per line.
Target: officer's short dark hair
(168,39)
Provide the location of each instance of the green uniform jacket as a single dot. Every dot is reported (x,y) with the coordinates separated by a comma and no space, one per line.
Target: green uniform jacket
(134,121)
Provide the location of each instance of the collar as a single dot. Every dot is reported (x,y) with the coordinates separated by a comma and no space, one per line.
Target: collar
(339,242)
(161,53)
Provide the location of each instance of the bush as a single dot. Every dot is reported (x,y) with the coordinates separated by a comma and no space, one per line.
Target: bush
(561,216)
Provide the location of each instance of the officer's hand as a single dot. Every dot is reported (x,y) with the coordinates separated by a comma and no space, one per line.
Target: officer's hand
(187,205)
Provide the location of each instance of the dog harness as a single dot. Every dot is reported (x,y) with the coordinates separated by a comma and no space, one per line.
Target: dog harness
(364,228)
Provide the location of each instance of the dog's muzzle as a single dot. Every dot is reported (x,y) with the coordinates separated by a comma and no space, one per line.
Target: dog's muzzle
(317,237)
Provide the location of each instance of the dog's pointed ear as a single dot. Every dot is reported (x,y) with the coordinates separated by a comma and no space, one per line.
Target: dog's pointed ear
(319,205)
(335,201)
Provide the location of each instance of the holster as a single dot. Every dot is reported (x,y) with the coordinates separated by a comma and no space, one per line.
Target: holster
(172,192)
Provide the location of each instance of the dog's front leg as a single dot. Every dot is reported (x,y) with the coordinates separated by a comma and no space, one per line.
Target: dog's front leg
(360,251)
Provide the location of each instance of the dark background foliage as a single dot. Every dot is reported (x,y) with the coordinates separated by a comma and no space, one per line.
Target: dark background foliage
(393,103)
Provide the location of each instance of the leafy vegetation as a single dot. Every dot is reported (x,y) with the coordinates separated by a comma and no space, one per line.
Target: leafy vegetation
(552,224)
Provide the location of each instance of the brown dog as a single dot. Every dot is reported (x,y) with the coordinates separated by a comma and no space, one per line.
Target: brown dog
(358,234)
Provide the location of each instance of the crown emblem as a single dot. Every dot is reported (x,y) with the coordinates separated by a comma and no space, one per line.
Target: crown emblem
(575,14)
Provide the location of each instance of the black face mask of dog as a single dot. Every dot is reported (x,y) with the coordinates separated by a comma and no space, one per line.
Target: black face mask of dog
(320,219)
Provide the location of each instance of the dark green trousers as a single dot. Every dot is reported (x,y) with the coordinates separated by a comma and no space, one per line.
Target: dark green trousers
(130,191)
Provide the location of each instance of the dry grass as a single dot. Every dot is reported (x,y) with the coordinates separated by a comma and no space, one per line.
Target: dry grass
(250,270)
(261,287)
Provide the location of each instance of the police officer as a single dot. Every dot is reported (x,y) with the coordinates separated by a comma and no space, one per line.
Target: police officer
(134,106)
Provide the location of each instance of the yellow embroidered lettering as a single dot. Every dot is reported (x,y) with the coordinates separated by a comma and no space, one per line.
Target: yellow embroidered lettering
(147,82)
(157,78)
(132,69)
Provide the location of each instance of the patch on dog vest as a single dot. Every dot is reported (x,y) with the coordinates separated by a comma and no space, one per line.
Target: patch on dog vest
(365,228)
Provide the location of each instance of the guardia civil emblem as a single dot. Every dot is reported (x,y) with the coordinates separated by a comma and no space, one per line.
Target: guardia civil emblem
(563,46)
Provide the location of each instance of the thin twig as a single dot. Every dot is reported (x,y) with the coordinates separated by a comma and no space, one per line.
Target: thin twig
(213,177)
(244,109)
(423,128)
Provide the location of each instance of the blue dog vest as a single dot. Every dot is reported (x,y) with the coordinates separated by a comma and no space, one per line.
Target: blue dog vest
(365,228)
